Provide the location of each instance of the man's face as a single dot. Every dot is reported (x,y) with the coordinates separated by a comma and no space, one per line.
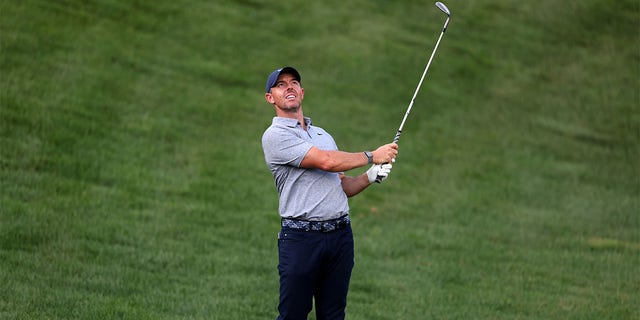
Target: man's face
(287,94)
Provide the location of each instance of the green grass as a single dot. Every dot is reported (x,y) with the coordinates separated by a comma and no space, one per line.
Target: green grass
(133,185)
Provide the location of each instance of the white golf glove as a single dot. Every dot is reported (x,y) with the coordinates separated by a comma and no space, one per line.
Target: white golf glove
(381,170)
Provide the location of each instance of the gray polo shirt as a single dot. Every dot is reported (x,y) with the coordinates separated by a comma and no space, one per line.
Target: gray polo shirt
(307,194)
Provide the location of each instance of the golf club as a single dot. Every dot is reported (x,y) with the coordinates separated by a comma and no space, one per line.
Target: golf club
(444,9)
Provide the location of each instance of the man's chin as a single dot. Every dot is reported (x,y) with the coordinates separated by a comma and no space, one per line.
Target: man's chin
(290,108)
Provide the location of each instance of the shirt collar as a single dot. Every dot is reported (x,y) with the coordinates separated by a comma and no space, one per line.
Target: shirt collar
(292,123)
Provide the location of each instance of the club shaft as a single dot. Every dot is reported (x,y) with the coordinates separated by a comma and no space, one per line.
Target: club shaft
(426,69)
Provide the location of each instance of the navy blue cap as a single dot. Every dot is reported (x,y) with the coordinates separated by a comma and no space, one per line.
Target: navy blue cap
(273,77)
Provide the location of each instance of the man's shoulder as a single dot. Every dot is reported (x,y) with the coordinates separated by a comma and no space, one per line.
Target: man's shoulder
(277,130)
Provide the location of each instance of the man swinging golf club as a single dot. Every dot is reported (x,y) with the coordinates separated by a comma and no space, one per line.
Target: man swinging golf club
(315,244)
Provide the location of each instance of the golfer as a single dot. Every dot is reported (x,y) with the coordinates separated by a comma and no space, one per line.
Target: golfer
(315,244)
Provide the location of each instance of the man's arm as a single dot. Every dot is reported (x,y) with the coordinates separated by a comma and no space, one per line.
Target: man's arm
(333,160)
(340,161)
(354,185)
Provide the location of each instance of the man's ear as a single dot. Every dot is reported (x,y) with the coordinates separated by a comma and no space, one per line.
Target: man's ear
(269,98)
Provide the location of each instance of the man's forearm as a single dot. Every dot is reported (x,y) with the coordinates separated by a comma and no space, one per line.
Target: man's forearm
(340,161)
(354,185)
(333,160)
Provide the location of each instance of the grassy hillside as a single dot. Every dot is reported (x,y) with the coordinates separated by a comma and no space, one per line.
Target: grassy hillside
(133,185)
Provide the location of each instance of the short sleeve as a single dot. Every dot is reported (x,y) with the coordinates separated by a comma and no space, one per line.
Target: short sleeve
(284,147)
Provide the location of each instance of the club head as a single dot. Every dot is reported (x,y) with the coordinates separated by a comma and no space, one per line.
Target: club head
(444,8)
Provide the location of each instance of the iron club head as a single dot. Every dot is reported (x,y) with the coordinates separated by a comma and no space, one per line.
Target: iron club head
(444,8)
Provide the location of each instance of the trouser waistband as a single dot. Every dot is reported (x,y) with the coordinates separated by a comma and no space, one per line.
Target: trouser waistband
(323,226)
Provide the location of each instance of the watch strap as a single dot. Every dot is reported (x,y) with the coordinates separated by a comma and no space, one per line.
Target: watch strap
(369,157)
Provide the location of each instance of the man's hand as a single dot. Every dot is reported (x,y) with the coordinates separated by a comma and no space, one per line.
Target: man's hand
(381,170)
(385,154)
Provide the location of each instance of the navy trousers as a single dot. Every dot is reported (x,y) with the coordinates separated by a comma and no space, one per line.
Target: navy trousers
(314,265)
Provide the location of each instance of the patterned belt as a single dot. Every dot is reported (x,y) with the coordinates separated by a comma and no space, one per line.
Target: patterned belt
(324,226)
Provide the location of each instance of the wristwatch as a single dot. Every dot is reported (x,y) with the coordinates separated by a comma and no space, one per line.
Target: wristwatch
(369,156)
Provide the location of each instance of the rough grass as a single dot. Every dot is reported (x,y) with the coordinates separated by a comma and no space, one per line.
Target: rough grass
(133,186)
